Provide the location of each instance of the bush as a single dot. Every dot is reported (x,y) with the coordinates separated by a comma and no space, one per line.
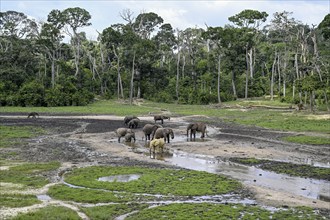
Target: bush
(31,94)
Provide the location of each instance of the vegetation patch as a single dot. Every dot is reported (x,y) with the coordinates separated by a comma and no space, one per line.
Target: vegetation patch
(66,193)
(112,211)
(12,135)
(302,170)
(302,139)
(154,181)
(220,211)
(28,174)
(17,200)
(49,213)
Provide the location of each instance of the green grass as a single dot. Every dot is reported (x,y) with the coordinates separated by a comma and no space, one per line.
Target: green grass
(17,200)
(49,213)
(28,174)
(13,135)
(155,181)
(301,170)
(112,211)
(221,212)
(66,193)
(303,139)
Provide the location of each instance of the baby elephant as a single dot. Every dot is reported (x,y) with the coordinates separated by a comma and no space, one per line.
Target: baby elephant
(133,123)
(127,119)
(122,132)
(156,143)
(160,118)
(129,137)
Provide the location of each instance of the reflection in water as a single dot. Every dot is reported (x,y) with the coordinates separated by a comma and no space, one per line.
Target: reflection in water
(311,188)
(120,178)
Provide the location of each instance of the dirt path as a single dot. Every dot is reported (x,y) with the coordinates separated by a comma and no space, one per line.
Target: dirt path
(87,140)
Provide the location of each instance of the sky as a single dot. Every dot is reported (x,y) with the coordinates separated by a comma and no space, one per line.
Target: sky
(181,14)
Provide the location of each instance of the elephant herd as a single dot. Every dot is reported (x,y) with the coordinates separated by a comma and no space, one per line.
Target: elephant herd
(156,133)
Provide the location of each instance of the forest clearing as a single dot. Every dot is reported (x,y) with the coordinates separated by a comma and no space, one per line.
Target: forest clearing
(254,166)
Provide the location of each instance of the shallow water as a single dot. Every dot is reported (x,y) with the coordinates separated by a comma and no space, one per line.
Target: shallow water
(310,188)
(120,178)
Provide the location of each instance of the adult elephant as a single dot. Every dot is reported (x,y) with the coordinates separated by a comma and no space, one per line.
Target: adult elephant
(196,127)
(121,132)
(133,123)
(148,129)
(127,119)
(160,118)
(163,133)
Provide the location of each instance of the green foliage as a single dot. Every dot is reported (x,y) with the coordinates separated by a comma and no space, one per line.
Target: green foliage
(155,181)
(11,134)
(28,174)
(49,213)
(221,212)
(304,139)
(17,200)
(31,94)
(112,211)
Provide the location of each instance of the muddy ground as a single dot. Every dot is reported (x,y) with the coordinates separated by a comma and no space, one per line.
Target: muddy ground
(83,140)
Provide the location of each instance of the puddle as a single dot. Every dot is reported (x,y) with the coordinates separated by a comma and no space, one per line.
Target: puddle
(310,188)
(120,178)
(43,197)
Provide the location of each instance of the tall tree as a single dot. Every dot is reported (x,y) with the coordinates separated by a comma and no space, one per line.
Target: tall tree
(250,20)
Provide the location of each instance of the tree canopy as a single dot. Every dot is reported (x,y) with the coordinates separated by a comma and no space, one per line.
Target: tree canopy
(144,57)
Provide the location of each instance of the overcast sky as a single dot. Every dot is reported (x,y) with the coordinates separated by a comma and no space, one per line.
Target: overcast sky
(180,14)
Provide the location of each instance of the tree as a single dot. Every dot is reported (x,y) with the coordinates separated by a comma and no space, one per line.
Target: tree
(250,21)
(73,18)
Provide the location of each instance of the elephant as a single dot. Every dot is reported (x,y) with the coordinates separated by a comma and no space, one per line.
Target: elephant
(133,123)
(156,143)
(193,127)
(129,137)
(148,129)
(121,132)
(163,133)
(128,118)
(33,115)
(160,118)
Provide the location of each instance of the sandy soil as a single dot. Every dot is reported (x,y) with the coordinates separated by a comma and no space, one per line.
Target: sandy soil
(87,140)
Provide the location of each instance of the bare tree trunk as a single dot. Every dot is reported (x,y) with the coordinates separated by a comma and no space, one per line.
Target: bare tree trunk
(219,71)
(233,83)
(177,76)
(247,74)
(53,69)
(279,74)
(132,81)
(297,75)
(183,64)
(251,62)
(272,79)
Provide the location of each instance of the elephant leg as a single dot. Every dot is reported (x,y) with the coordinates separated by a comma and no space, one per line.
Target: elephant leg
(202,135)
(194,134)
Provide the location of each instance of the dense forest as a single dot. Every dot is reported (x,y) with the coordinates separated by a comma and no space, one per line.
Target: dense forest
(144,57)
